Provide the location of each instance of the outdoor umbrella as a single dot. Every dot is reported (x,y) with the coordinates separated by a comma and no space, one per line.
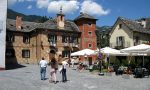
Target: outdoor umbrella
(139,50)
(111,51)
(83,52)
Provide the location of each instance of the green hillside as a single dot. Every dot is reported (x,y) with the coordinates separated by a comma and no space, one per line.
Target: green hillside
(33,18)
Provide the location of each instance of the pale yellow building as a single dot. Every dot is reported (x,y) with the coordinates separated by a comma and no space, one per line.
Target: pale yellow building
(126,33)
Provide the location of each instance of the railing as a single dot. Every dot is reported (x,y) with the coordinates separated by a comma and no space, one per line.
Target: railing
(125,44)
(66,44)
(52,44)
(74,45)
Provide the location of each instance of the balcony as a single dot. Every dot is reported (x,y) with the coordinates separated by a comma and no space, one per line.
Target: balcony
(66,44)
(52,44)
(119,45)
(75,45)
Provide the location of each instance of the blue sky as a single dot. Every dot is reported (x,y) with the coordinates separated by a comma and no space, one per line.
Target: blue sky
(106,11)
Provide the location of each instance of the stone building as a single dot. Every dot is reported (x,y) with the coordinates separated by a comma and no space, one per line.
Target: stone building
(28,42)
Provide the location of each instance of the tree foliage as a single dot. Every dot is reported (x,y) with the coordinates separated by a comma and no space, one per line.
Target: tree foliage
(32,18)
(102,34)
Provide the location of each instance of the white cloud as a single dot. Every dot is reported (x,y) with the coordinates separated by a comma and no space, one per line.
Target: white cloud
(29,7)
(67,6)
(93,8)
(42,3)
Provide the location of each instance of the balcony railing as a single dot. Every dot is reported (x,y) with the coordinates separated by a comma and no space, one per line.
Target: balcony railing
(74,45)
(66,44)
(52,44)
(123,45)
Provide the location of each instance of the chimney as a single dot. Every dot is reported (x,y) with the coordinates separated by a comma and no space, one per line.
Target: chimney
(143,23)
(18,22)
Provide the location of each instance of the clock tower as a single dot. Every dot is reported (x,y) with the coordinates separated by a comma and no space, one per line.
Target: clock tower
(60,19)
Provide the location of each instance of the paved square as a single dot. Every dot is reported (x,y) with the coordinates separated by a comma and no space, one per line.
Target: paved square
(28,78)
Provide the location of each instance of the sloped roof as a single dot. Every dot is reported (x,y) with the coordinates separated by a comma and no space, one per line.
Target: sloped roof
(52,24)
(84,15)
(134,25)
(147,22)
(26,26)
(49,24)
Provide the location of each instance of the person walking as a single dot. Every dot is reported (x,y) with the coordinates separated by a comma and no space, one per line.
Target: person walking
(63,71)
(43,65)
(53,71)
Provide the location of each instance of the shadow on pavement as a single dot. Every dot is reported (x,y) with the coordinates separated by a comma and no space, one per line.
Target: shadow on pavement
(14,66)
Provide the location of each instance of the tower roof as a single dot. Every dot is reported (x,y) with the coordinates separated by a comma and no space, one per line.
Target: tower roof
(60,13)
(84,15)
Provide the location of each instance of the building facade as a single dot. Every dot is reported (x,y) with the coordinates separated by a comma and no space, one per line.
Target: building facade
(28,42)
(126,33)
(87,25)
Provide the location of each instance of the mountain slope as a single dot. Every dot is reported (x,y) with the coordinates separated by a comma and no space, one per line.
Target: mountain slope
(32,18)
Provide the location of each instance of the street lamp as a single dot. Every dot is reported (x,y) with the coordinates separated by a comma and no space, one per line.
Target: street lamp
(100,56)
(100,59)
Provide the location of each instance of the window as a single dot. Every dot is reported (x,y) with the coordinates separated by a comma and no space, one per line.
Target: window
(90,33)
(26,53)
(65,53)
(11,25)
(136,40)
(65,39)
(52,38)
(27,26)
(120,26)
(90,24)
(26,39)
(73,39)
(21,27)
(61,18)
(120,41)
(10,37)
(10,53)
(90,45)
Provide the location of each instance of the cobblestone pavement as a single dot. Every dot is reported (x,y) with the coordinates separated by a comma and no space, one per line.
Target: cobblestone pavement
(28,78)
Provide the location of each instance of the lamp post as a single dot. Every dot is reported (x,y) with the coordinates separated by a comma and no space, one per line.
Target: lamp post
(100,56)
(100,62)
